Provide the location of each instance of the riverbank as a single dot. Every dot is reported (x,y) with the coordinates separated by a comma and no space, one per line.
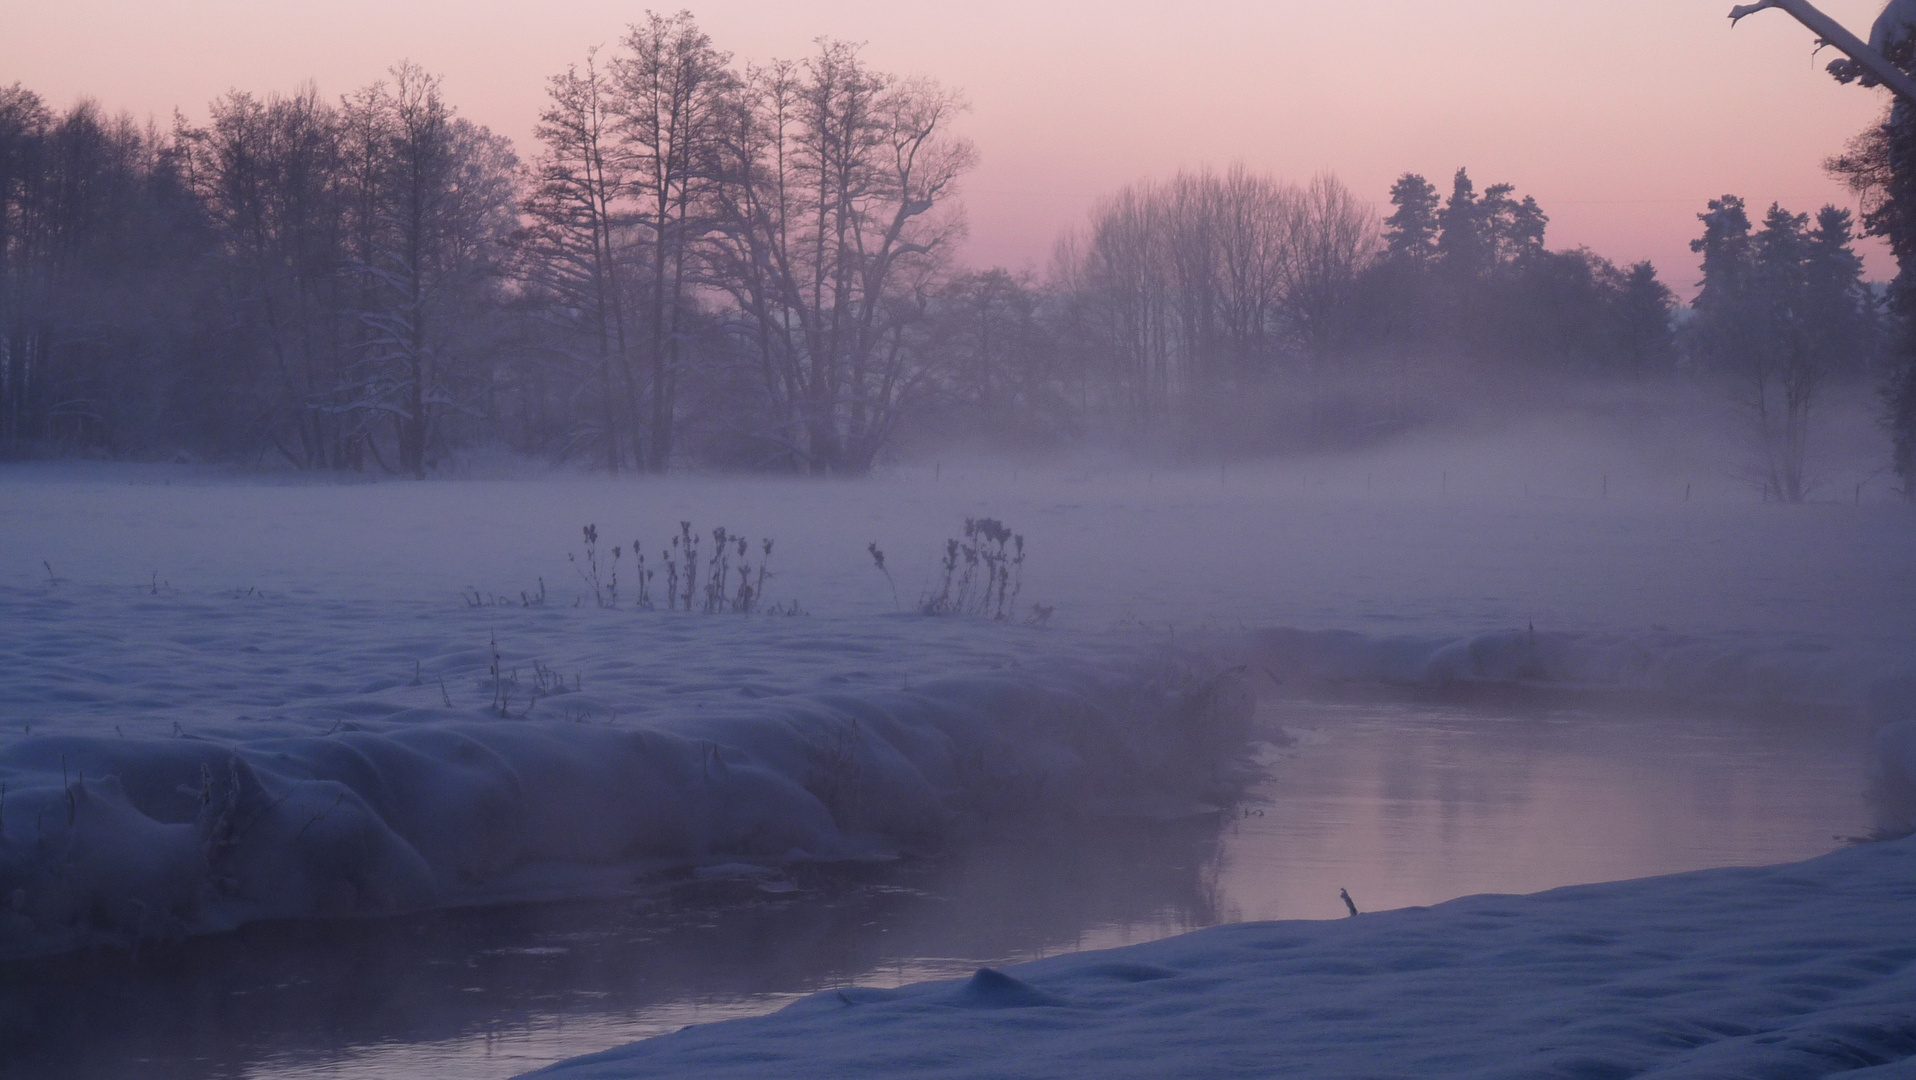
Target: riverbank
(1799,970)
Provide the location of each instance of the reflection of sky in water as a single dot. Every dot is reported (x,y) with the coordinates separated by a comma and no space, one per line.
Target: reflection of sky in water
(1403,804)
(1410,805)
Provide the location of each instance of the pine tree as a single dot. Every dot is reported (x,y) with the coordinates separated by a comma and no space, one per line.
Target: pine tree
(1780,311)
(1410,232)
(1642,313)
(1465,244)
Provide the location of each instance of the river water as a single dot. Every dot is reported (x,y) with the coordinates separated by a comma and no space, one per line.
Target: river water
(1400,801)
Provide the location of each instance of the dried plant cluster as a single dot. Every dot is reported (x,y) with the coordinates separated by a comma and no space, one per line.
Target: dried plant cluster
(981,573)
(729,581)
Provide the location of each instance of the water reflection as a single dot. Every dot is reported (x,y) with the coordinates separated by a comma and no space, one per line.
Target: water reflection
(500,991)
(1417,802)
(1402,801)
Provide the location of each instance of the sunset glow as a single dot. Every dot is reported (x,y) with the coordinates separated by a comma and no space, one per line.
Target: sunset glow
(1621,118)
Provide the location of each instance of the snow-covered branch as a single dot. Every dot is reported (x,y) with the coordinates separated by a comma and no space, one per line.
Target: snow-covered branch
(1894,25)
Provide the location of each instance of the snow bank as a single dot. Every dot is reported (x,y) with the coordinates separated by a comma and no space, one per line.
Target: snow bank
(1799,970)
(228,699)
(107,838)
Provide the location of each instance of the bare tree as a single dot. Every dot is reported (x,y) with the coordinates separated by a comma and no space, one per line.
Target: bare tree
(436,208)
(1256,265)
(1125,277)
(271,176)
(577,187)
(1333,236)
(25,123)
(1192,282)
(831,176)
(98,250)
(671,88)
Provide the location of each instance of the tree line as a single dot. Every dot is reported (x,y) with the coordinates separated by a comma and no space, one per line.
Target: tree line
(752,265)
(747,256)
(1784,312)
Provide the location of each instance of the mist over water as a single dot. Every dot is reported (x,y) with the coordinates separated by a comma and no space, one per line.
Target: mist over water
(1499,654)
(774,602)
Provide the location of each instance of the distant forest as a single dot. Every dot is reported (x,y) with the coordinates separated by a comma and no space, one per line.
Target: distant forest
(708,263)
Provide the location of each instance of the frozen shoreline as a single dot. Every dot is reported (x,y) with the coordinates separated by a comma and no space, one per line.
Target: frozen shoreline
(218,681)
(107,838)
(1797,970)
(353,782)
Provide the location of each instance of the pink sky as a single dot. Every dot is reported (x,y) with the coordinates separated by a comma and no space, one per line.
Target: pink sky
(1621,116)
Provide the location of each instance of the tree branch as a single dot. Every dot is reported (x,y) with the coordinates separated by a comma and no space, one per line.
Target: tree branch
(1832,32)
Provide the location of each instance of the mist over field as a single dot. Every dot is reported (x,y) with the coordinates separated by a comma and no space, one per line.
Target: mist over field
(1187,541)
(471,601)
(297,694)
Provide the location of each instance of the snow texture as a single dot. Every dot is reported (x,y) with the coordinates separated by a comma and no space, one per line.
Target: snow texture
(230,699)
(146,837)
(1791,971)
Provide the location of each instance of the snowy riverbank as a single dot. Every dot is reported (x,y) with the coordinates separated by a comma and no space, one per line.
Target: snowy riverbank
(1791,971)
(118,836)
(232,698)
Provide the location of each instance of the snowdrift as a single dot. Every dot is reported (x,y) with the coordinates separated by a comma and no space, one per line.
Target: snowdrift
(105,838)
(1796,970)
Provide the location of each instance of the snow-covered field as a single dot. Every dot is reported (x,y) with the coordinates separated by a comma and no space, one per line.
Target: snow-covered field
(233,697)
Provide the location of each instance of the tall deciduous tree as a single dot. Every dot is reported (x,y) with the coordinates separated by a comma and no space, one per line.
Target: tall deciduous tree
(1334,237)
(833,179)
(436,206)
(100,241)
(270,175)
(576,204)
(1202,284)
(24,255)
(672,88)
(992,341)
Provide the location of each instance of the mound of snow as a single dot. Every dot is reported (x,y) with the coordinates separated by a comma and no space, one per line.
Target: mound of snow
(1799,970)
(119,839)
